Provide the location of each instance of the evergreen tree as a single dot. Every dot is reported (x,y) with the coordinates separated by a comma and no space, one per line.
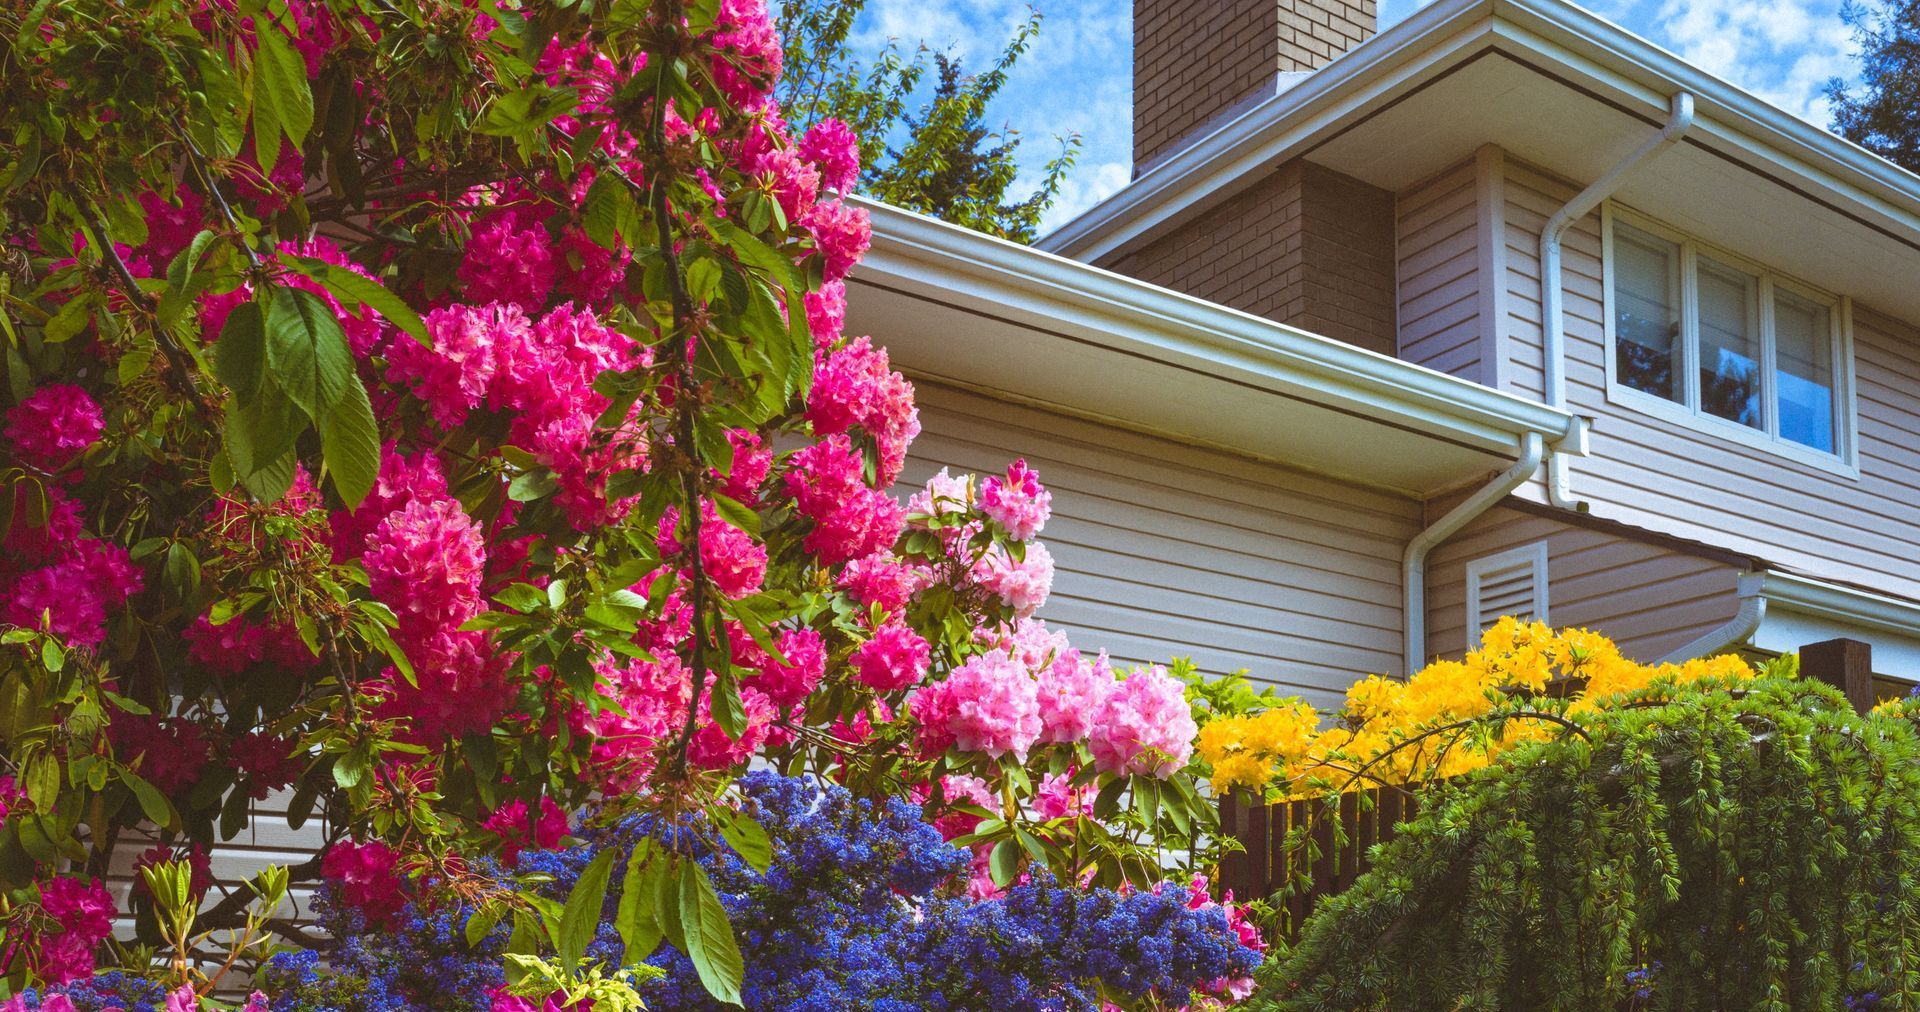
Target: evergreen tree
(939,158)
(1883,115)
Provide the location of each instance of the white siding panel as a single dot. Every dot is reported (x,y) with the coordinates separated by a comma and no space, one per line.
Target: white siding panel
(1652,473)
(1167,550)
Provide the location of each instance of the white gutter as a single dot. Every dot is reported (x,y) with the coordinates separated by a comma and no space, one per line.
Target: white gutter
(920,254)
(1413,563)
(1552,308)
(1737,630)
(1861,608)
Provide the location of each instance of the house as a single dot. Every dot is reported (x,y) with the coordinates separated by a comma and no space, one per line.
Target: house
(1309,408)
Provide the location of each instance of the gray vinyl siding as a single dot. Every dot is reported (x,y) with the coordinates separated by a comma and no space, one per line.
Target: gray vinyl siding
(1439,275)
(265,840)
(1648,598)
(1165,550)
(1660,475)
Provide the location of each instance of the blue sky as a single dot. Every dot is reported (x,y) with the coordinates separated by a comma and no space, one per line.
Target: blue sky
(1077,78)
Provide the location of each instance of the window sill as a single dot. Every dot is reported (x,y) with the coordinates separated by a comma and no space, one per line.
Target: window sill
(1719,428)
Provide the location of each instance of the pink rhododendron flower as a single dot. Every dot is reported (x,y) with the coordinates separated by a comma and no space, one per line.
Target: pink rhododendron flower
(827,313)
(856,385)
(748,63)
(589,272)
(882,581)
(653,698)
(832,146)
(240,643)
(426,561)
(732,559)
(1073,694)
(84,911)
(893,659)
(36,544)
(519,830)
(996,709)
(167,752)
(945,497)
(1018,503)
(509,262)
(860,727)
(53,425)
(257,1002)
(794,180)
(842,233)
(452,376)
(806,662)
(72,597)
(402,478)
(1058,798)
(932,708)
(850,519)
(367,876)
(12,797)
(713,748)
(266,762)
(171,224)
(752,459)
(1022,585)
(1145,727)
(960,788)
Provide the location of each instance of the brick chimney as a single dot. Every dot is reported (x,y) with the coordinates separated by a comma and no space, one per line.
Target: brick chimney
(1194,63)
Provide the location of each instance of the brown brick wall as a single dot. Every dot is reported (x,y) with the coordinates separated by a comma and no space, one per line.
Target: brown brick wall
(1305,246)
(1192,62)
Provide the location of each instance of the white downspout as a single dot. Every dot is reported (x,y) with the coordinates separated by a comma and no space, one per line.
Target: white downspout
(1413,563)
(1552,310)
(1745,622)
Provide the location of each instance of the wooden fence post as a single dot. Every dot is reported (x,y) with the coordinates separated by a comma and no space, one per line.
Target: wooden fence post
(1844,664)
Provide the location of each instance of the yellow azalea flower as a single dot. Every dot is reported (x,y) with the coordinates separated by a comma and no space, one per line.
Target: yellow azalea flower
(1241,771)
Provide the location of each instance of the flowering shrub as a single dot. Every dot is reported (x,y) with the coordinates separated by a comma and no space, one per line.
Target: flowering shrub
(858,906)
(442,413)
(1386,733)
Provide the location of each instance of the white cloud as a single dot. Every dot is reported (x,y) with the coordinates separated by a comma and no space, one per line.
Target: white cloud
(1089,185)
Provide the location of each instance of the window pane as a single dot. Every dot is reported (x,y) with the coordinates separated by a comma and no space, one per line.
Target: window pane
(1803,342)
(1646,321)
(1729,344)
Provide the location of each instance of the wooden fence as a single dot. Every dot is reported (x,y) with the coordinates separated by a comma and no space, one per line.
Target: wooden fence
(1275,854)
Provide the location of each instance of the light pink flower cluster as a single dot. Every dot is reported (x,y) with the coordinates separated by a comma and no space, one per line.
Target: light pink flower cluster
(1073,694)
(1145,726)
(84,911)
(1022,584)
(1019,503)
(882,581)
(1058,798)
(958,789)
(989,704)
(54,425)
(855,385)
(366,877)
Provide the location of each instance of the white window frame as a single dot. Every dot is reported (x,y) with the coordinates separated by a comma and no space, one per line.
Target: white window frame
(1532,555)
(1844,460)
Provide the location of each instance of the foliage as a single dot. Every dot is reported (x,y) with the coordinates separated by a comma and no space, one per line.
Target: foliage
(442,413)
(1726,844)
(860,904)
(1883,115)
(1535,676)
(942,159)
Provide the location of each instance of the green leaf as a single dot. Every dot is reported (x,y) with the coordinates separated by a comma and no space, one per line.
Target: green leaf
(307,351)
(746,838)
(348,286)
(724,700)
(153,804)
(1108,800)
(350,443)
(640,930)
(582,913)
(709,935)
(737,514)
(1004,863)
(279,85)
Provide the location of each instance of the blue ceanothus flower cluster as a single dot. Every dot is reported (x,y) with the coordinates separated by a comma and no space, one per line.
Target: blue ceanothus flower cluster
(859,910)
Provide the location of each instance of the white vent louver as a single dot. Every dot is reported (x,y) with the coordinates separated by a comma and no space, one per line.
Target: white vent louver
(1513,582)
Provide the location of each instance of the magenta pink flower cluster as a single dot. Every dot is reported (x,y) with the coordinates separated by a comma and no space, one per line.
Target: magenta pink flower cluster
(78,915)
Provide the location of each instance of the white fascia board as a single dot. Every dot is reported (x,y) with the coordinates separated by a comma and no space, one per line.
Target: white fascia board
(925,256)
(1550,31)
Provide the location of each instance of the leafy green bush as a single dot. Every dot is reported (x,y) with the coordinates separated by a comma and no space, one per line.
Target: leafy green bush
(1712,847)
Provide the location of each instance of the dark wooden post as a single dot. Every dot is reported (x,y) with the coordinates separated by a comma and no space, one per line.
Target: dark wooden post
(1844,664)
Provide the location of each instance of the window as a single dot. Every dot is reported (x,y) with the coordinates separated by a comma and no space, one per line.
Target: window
(1698,334)
(1513,582)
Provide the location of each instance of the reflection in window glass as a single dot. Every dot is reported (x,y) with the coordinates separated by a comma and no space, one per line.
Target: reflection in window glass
(1803,349)
(1729,343)
(1647,313)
